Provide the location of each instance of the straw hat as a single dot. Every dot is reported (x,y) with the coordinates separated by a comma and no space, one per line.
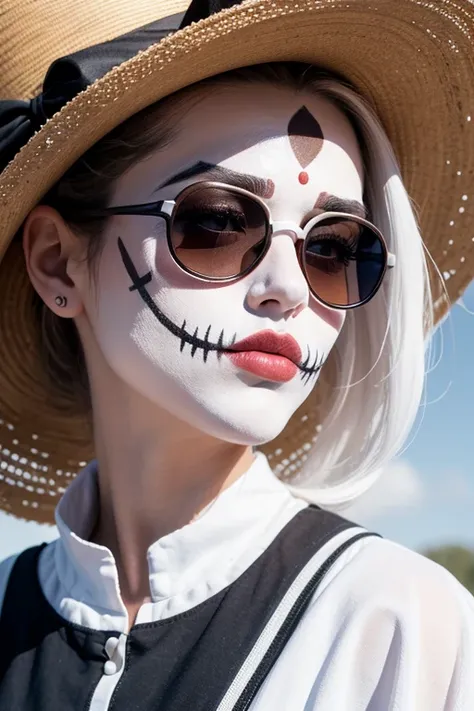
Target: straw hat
(412,59)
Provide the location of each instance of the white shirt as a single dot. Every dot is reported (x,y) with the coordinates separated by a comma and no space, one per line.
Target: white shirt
(387,629)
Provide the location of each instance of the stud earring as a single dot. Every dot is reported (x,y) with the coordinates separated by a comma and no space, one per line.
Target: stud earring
(60,301)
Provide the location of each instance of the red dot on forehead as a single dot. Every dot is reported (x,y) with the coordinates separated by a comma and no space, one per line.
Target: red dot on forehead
(303,177)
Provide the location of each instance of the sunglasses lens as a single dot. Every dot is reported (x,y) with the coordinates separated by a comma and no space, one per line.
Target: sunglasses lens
(344,261)
(217,232)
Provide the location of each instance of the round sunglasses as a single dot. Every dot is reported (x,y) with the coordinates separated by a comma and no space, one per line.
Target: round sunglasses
(217,232)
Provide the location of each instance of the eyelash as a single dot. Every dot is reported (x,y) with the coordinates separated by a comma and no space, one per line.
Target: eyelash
(348,245)
(217,211)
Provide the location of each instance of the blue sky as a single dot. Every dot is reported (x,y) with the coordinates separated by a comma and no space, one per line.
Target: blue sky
(426,496)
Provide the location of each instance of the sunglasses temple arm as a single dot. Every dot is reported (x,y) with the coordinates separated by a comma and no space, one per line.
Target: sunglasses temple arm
(153,209)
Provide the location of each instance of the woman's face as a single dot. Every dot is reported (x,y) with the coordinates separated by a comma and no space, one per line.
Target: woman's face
(303,151)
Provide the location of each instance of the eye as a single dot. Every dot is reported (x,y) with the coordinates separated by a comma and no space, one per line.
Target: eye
(206,227)
(331,247)
(219,220)
(325,249)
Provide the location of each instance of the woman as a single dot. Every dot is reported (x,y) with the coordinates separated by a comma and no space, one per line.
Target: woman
(188,246)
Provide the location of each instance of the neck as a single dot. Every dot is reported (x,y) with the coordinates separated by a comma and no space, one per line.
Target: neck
(156,474)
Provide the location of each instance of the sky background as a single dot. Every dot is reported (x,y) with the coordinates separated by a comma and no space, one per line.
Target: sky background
(425,498)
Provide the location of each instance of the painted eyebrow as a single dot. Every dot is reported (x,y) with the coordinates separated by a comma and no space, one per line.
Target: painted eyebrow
(331,203)
(259,186)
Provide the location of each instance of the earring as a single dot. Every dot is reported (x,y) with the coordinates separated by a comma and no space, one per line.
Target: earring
(60,301)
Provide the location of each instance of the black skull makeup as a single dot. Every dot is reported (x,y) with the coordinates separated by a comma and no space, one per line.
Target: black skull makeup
(306,139)
(236,359)
(309,368)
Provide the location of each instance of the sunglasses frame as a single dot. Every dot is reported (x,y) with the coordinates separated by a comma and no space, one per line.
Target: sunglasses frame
(167,209)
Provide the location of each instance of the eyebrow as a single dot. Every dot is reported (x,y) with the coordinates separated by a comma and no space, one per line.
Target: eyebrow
(331,203)
(259,186)
(263,188)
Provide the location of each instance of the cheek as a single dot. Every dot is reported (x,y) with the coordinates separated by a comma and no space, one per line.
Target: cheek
(145,244)
(154,255)
(332,317)
(110,307)
(120,316)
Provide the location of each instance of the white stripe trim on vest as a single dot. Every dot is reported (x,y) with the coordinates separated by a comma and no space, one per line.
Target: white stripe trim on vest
(278,618)
(104,690)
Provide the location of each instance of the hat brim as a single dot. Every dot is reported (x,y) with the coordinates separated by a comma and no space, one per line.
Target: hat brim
(413,61)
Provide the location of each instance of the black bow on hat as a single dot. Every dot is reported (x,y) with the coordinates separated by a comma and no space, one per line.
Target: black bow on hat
(68,76)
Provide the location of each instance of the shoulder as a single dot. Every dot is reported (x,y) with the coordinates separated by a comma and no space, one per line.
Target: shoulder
(27,561)
(387,573)
(380,567)
(406,588)
(5,570)
(378,574)
(413,621)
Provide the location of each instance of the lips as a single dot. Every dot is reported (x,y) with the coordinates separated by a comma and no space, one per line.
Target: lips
(271,342)
(267,354)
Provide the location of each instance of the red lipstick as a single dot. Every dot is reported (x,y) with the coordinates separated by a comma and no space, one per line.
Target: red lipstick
(272,356)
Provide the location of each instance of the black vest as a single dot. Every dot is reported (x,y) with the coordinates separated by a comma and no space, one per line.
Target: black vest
(182,663)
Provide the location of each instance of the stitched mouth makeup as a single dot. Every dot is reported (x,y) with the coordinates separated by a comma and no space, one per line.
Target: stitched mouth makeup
(272,356)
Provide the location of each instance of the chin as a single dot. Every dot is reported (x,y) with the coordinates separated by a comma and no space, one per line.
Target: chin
(244,433)
(238,409)
(253,420)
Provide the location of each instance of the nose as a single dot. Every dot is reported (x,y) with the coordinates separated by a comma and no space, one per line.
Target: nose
(278,286)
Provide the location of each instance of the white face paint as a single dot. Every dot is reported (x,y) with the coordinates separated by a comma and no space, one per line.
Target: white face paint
(244,129)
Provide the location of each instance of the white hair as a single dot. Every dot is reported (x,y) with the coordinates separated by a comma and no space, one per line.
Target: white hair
(381,350)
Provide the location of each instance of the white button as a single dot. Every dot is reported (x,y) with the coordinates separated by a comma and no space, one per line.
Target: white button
(115,651)
(111,645)
(110,668)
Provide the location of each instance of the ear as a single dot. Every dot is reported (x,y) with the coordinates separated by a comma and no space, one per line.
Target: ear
(49,245)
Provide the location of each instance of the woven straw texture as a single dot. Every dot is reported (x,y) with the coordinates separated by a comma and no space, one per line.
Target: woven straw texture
(412,59)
